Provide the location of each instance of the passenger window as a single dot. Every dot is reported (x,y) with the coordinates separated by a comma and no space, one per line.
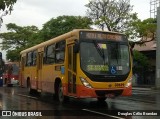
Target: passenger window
(60,52)
(34,57)
(50,54)
(29,59)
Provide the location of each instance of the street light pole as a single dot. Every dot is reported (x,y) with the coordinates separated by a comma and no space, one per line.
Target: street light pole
(157,82)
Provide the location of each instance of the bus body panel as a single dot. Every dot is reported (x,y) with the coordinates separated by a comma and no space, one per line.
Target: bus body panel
(30,74)
(49,74)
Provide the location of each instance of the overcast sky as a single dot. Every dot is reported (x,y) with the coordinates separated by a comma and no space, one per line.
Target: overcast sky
(38,12)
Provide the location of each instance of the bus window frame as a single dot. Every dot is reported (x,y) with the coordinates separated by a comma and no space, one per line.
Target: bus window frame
(32,57)
(60,50)
(29,59)
(46,55)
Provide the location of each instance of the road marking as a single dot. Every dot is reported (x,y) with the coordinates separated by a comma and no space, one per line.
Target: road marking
(27,96)
(102,114)
(139,100)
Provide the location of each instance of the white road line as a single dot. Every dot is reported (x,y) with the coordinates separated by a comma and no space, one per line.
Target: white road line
(27,96)
(102,114)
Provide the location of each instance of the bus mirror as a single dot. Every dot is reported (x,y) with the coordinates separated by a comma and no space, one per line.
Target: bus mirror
(76,47)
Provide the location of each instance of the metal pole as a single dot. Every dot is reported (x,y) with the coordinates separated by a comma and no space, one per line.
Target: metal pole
(157,82)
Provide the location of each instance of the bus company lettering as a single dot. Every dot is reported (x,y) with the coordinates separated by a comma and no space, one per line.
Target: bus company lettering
(15,113)
(104,36)
(34,114)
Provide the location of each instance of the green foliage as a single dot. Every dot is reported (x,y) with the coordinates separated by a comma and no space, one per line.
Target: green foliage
(144,30)
(4,4)
(114,15)
(117,15)
(63,24)
(18,36)
(13,55)
(17,39)
(141,59)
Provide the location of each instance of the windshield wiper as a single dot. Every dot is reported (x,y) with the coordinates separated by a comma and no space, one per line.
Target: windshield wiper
(100,51)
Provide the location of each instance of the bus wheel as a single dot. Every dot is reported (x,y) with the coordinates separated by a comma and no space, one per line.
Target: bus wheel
(101,99)
(29,86)
(61,97)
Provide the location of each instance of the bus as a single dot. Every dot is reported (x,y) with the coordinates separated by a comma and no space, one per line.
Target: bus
(82,63)
(11,73)
(1,69)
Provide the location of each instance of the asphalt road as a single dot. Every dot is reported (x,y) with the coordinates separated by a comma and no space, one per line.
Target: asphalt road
(143,104)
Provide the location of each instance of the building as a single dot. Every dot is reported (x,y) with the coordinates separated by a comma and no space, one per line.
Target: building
(149,50)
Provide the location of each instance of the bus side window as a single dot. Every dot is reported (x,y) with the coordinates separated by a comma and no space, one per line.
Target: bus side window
(29,59)
(60,51)
(49,56)
(34,57)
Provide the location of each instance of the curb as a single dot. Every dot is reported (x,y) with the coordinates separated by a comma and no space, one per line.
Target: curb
(139,88)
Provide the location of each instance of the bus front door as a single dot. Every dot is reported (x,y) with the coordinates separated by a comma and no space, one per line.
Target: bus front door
(71,70)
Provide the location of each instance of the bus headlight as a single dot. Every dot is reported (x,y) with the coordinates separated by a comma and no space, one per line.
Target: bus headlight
(13,79)
(1,77)
(129,83)
(85,82)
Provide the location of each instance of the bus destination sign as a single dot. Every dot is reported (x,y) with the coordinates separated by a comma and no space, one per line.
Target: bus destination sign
(102,36)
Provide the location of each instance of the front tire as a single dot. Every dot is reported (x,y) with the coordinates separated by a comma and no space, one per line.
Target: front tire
(61,97)
(29,87)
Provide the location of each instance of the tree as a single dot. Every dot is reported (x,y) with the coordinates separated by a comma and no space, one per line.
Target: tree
(13,55)
(63,24)
(141,67)
(140,59)
(18,38)
(6,6)
(113,15)
(144,31)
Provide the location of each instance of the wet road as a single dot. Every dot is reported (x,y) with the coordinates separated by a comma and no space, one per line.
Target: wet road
(142,102)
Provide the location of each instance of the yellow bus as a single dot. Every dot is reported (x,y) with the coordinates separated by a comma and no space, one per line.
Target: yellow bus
(82,63)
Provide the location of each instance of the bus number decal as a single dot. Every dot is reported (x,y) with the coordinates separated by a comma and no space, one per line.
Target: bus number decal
(119,84)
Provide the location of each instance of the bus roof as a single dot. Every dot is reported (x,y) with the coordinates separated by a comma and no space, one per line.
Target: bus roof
(58,38)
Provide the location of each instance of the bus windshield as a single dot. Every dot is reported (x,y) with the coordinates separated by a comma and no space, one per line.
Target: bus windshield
(104,58)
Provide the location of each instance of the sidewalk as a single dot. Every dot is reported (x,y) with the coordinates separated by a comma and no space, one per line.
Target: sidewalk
(141,88)
(144,87)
